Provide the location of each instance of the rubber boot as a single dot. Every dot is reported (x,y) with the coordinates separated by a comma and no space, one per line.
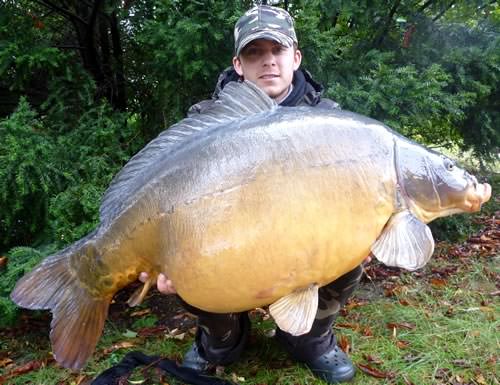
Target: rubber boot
(220,339)
(318,349)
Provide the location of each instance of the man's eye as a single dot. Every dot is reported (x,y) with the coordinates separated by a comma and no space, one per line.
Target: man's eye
(251,51)
(278,49)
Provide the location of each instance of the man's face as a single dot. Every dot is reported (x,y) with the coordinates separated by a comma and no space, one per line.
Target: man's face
(269,65)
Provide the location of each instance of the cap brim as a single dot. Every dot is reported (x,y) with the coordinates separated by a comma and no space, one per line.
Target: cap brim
(276,36)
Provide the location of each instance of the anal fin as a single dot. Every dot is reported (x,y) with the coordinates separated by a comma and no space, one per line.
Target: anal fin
(295,312)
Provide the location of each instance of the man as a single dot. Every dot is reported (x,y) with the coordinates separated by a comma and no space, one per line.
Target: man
(267,55)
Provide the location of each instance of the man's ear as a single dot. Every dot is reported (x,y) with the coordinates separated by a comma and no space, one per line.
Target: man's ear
(237,65)
(297,59)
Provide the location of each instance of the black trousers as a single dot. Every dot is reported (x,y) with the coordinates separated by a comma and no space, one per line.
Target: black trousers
(221,338)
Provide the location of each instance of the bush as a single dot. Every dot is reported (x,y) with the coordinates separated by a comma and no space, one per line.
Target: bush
(27,176)
(100,144)
(20,261)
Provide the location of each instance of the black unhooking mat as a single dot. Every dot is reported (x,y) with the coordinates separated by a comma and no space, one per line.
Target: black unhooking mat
(134,359)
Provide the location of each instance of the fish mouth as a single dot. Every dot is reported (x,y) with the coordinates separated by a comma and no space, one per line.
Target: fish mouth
(476,196)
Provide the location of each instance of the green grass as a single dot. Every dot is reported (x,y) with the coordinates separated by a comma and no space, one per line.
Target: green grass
(455,338)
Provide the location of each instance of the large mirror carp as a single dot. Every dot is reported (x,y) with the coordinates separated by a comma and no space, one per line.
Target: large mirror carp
(246,205)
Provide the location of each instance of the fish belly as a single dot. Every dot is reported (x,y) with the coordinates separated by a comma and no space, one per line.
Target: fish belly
(258,241)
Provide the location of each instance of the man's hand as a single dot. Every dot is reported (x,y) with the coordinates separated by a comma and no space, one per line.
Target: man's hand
(164,285)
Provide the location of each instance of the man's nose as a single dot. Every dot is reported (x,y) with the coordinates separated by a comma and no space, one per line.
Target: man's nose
(269,58)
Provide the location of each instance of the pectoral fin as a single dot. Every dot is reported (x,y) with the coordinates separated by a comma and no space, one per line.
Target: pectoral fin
(295,312)
(138,296)
(405,242)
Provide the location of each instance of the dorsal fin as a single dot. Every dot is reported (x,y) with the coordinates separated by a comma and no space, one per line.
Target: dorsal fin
(236,101)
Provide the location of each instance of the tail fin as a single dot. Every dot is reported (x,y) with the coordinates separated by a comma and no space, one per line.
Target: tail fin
(78,318)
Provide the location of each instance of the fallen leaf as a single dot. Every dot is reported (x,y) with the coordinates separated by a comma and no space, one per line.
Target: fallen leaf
(176,334)
(139,313)
(485,302)
(402,344)
(219,370)
(26,368)
(375,372)
(3,261)
(492,360)
(5,362)
(152,331)
(480,379)
(120,345)
(461,363)
(347,326)
(401,325)
(81,379)
(237,378)
(404,302)
(344,344)
(179,336)
(355,303)
(367,332)
(442,374)
(438,282)
(372,359)
(183,315)
(392,290)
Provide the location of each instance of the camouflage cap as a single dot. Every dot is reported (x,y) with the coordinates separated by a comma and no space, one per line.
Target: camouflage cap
(264,22)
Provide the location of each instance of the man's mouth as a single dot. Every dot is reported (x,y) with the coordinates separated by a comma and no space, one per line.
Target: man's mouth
(268,76)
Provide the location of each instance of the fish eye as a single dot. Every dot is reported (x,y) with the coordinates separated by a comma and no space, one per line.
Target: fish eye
(449,165)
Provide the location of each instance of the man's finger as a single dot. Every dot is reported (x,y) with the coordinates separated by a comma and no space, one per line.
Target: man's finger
(165,285)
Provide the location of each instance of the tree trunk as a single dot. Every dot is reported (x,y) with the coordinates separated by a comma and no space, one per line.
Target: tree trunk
(121,97)
(385,29)
(99,44)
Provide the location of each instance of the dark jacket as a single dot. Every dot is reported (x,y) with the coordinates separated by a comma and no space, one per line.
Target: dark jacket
(306,91)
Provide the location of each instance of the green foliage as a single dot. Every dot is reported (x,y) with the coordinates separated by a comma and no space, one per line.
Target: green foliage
(145,322)
(431,73)
(27,176)
(20,261)
(183,45)
(100,143)
(453,229)
(409,100)
(51,182)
